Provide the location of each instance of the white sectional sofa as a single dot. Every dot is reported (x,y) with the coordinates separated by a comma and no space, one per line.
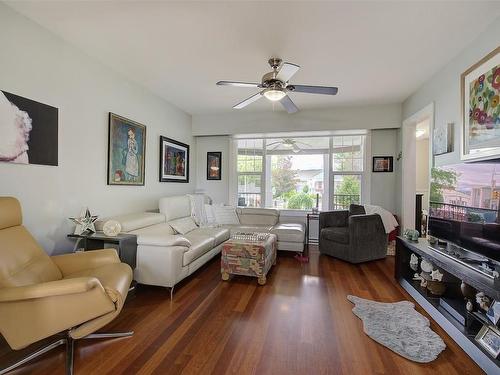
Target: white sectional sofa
(165,257)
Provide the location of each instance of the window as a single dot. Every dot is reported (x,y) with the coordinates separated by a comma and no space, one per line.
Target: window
(250,170)
(296,181)
(300,172)
(347,170)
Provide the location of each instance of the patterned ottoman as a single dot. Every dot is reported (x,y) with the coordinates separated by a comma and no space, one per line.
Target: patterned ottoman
(248,254)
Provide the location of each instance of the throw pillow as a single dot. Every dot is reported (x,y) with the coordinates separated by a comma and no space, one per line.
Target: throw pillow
(356,209)
(183,225)
(225,215)
(209,211)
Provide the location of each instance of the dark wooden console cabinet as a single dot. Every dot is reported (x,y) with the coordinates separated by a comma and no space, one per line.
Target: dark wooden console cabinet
(455,273)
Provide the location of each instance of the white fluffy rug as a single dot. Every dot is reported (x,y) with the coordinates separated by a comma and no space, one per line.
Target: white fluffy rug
(399,327)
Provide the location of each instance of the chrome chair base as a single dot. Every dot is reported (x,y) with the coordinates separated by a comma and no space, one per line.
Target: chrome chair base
(70,346)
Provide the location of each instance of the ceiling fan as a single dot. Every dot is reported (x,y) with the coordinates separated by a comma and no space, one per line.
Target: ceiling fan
(288,143)
(276,86)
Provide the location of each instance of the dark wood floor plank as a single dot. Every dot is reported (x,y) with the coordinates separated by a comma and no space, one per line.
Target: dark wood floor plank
(300,322)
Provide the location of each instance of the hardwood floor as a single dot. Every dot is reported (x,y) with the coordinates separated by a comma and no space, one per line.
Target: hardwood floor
(299,323)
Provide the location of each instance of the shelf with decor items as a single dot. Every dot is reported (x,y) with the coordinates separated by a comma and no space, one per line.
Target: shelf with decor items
(448,309)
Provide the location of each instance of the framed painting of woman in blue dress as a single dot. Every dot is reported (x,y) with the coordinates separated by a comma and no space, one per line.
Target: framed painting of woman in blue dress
(174,161)
(126,151)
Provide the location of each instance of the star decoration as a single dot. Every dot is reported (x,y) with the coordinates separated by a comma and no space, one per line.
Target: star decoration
(84,223)
(436,275)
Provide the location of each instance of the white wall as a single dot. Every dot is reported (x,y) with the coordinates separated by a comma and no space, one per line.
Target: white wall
(217,190)
(338,118)
(38,65)
(422,169)
(384,142)
(444,88)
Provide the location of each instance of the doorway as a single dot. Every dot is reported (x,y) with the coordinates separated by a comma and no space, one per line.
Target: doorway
(417,159)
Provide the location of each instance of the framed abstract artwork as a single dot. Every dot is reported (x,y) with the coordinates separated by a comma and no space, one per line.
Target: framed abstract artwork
(126,151)
(442,140)
(214,165)
(29,131)
(174,160)
(480,94)
(383,164)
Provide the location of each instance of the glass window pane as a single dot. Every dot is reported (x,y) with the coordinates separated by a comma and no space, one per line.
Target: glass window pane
(346,190)
(357,165)
(249,183)
(296,181)
(249,200)
(249,163)
(347,153)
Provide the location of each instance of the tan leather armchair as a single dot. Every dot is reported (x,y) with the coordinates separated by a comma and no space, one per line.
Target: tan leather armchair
(40,296)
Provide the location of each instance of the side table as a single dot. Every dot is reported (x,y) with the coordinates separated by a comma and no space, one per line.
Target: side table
(127,244)
(311,217)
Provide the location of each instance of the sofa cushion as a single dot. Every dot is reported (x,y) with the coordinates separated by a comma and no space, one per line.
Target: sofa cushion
(225,215)
(258,216)
(199,246)
(219,234)
(175,207)
(336,234)
(289,232)
(130,222)
(183,225)
(156,229)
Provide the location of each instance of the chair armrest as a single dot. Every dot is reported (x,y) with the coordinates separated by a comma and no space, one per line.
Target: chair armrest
(49,289)
(333,219)
(85,260)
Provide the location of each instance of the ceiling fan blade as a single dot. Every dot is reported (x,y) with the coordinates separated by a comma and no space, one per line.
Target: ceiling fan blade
(325,90)
(274,143)
(248,101)
(275,147)
(238,84)
(288,104)
(286,71)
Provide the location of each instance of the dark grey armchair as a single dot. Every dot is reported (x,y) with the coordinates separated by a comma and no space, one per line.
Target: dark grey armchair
(352,235)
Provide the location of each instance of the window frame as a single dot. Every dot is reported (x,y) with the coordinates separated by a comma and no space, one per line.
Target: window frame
(362,173)
(328,172)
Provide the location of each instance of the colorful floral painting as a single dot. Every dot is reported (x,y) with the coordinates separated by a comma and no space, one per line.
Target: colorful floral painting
(484,108)
(481,108)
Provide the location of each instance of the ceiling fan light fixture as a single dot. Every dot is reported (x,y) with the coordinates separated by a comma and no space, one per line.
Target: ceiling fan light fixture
(274,94)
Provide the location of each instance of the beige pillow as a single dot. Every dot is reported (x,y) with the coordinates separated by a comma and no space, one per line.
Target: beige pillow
(183,225)
(226,215)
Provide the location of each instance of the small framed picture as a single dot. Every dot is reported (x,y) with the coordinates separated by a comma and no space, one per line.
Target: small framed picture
(489,339)
(493,313)
(214,165)
(174,160)
(383,164)
(442,141)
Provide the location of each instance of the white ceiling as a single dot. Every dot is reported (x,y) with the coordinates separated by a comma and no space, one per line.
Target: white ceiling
(375,52)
